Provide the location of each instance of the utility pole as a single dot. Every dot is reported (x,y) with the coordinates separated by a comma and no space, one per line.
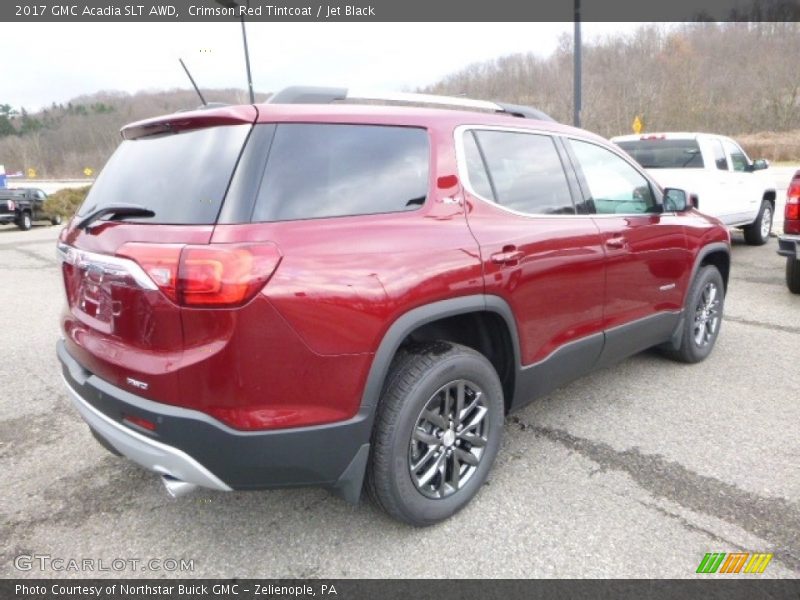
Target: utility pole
(576,71)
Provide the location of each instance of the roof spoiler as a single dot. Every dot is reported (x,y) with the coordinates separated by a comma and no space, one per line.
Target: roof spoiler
(301,94)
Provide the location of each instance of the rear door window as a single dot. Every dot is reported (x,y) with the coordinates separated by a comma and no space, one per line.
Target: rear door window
(523,171)
(739,160)
(333,170)
(719,155)
(181,177)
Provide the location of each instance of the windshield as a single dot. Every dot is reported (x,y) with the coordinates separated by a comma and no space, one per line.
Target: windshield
(665,154)
(181,177)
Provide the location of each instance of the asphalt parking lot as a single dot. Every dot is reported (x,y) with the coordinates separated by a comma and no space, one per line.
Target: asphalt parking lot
(634,471)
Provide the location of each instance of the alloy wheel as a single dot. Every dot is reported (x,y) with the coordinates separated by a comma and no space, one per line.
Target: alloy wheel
(706,315)
(448,440)
(766,222)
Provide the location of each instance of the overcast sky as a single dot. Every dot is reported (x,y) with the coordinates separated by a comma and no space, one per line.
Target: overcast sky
(54,62)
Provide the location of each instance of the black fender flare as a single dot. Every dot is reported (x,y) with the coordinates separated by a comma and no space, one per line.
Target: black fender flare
(428,313)
(677,336)
(702,253)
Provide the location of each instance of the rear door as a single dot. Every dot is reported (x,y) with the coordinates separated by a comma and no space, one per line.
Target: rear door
(720,198)
(745,192)
(539,254)
(122,321)
(647,258)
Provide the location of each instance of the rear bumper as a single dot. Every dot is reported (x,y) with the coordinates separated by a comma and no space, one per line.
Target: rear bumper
(789,246)
(151,454)
(191,446)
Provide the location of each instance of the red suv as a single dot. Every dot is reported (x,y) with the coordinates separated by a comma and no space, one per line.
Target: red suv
(317,292)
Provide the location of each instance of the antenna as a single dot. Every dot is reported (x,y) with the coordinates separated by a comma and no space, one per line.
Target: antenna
(189,75)
(235,4)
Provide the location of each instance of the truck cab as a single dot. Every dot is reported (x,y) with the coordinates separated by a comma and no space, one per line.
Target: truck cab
(719,176)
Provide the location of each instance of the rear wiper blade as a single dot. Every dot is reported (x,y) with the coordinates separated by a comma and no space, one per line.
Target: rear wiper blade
(117,210)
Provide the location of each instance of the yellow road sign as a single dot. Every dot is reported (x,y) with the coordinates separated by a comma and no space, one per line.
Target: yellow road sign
(31,173)
(637,125)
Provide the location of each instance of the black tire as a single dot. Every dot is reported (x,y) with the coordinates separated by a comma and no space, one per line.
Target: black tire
(692,350)
(25,221)
(757,233)
(418,379)
(55,220)
(793,275)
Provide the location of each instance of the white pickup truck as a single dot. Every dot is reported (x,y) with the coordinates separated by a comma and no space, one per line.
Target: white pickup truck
(717,174)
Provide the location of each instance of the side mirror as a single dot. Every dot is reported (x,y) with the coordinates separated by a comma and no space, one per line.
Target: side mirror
(675,200)
(760,164)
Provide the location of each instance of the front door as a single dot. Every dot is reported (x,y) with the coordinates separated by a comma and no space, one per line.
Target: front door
(647,258)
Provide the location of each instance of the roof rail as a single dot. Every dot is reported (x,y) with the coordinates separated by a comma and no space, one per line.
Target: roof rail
(301,94)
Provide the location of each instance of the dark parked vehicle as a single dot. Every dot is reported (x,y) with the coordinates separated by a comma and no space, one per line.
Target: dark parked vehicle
(23,206)
(789,242)
(337,294)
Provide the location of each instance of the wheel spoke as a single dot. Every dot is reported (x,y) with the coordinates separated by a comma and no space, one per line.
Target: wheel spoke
(430,453)
(426,438)
(442,477)
(480,413)
(473,440)
(712,294)
(460,394)
(448,407)
(467,457)
(477,399)
(435,418)
(431,472)
(455,471)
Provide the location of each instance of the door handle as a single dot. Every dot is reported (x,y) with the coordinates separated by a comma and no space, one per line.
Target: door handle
(616,242)
(510,256)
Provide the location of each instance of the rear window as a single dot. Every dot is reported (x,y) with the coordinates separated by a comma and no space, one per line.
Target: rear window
(665,154)
(181,177)
(333,170)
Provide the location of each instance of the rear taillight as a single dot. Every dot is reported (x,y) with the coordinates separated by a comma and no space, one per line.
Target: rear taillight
(160,263)
(10,205)
(791,213)
(792,210)
(215,275)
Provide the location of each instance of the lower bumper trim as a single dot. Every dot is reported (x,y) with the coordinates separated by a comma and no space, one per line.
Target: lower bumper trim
(150,454)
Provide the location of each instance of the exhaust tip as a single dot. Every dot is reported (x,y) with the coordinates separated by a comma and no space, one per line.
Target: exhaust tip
(177,488)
